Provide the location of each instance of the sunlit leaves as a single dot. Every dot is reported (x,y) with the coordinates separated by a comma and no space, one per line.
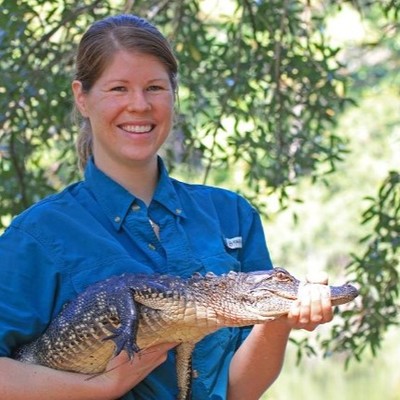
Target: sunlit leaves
(258,87)
(37,49)
(377,272)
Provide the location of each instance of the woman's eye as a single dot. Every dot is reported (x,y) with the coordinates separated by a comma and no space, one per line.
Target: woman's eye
(118,89)
(154,88)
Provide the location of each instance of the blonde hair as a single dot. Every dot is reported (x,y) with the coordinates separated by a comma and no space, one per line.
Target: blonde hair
(95,51)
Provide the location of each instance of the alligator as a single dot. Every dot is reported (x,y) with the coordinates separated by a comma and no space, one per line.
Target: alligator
(132,312)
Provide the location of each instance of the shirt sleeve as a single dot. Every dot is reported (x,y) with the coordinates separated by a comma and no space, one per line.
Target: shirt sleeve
(254,254)
(28,285)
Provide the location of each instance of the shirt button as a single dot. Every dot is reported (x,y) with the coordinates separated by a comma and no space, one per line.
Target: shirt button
(117,219)
(151,246)
(178,211)
(195,374)
(135,207)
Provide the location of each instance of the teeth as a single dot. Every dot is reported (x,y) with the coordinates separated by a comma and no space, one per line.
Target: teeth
(136,128)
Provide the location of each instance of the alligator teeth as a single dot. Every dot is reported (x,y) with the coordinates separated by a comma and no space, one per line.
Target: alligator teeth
(137,128)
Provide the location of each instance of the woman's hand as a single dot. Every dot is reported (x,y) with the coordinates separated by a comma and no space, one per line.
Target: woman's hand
(313,306)
(20,381)
(123,374)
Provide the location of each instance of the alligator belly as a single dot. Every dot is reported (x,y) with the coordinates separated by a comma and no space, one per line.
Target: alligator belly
(92,359)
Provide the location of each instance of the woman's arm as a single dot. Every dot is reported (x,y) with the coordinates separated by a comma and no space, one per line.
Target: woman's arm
(19,381)
(258,361)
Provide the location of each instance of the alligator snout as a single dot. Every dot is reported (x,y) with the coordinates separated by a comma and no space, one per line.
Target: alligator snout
(343,294)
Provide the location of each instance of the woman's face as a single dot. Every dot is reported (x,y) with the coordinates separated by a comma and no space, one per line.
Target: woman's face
(130,109)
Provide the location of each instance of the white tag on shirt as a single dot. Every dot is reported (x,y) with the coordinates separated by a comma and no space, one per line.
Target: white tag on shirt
(234,243)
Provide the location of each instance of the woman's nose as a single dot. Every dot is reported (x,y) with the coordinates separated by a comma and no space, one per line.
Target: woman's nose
(138,102)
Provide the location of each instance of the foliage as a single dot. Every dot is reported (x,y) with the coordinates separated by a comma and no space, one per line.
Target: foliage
(390,8)
(376,378)
(267,102)
(261,90)
(36,52)
(377,273)
(376,269)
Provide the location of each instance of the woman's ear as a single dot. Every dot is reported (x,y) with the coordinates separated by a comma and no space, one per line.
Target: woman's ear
(80,97)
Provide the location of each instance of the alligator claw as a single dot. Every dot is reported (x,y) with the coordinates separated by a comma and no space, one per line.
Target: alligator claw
(123,340)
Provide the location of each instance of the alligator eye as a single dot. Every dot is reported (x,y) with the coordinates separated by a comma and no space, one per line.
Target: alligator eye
(282,276)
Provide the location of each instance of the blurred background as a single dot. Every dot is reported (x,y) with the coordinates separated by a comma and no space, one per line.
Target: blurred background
(294,104)
(322,230)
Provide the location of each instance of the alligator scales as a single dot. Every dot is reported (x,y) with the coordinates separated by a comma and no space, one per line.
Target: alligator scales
(132,312)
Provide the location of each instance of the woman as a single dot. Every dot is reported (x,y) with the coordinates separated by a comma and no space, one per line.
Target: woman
(128,215)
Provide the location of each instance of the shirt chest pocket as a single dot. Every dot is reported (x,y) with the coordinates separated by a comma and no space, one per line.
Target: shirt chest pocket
(85,275)
(220,263)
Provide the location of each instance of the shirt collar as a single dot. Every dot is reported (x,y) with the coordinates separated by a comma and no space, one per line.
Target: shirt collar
(116,201)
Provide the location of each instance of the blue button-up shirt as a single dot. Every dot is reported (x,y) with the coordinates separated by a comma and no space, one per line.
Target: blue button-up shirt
(95,229)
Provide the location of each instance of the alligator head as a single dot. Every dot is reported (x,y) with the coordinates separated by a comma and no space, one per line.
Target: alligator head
(263,295)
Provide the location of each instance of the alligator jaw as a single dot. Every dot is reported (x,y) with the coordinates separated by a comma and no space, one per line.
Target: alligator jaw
(339,295)
(343,294)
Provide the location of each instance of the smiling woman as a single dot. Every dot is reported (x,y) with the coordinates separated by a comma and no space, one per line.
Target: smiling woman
(126,34)
(129,216)
(126,103)
(130,116)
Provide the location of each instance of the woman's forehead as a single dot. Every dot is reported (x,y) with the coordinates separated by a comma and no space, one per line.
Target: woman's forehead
(133,64)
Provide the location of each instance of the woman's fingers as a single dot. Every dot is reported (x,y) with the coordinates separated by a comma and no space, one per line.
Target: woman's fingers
(312,308)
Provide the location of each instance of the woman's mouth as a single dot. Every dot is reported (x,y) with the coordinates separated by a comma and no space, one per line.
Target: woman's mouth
(137,128)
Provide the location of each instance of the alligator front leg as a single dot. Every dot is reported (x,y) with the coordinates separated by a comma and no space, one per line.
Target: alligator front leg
(184,369)
(124,336)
